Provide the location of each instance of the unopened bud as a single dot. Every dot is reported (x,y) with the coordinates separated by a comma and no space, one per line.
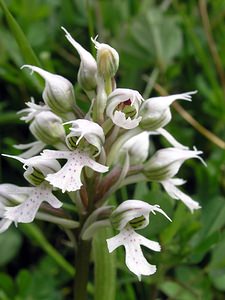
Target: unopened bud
(88,66)
(48,128)
(156,113)
(137,147)
(58,93)
(165,163)
(107,59)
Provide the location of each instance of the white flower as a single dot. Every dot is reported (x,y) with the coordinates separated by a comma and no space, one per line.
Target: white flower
(130,215)
(58,93)
(37,167)
(85,133)
(88,66)
(156,113)
(164,165)
(29,114)
(123,108)
(68,177)
(137,147)
(107,59)
(26,211)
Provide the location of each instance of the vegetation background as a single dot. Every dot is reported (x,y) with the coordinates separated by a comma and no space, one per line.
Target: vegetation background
(168,46)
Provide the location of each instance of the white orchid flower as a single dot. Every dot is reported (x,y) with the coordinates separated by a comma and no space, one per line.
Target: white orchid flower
(88,66)
(68,177)
(37,168)
(27,210)
(107,59)
(58,93)
(137,147)
(87,135)
(29,114)
(130,215)
(156,112)
(123,108)
(164,165)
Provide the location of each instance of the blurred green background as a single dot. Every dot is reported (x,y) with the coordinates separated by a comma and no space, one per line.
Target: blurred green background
(165,47)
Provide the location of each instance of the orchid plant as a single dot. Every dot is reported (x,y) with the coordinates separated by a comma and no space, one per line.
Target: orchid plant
(93,154)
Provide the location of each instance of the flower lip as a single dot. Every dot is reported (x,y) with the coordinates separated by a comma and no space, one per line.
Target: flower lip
(68,178)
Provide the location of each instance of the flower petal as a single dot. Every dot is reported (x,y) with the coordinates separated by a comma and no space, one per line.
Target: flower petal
(33,148)
(26,211)
(171,139)
(175,193)
(135,259)
(68,178)
(119,118)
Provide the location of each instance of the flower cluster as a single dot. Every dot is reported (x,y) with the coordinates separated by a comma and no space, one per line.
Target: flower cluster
(94,153)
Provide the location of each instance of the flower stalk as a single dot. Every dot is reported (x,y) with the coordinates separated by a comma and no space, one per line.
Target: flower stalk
(91,156)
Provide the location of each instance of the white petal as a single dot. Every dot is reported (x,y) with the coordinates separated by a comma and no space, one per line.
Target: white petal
(175,193)
(148,243)
(33,148)
(68,178)
(136,261)
(163,102)
(171,139)
(119,118)
(115,242)
(26,211)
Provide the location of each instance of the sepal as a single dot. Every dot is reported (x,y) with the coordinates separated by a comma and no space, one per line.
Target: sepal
(88,67)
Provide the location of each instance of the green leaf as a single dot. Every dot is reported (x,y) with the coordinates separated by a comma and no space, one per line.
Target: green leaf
(10,243)
(24,45)
(105,266)
(23,281)
(35,234)
(6,284)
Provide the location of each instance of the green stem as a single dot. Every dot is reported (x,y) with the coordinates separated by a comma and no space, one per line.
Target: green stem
(105,266)
(83,253)
(82,268)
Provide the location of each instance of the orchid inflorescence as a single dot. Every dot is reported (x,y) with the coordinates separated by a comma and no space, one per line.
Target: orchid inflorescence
(95,153)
